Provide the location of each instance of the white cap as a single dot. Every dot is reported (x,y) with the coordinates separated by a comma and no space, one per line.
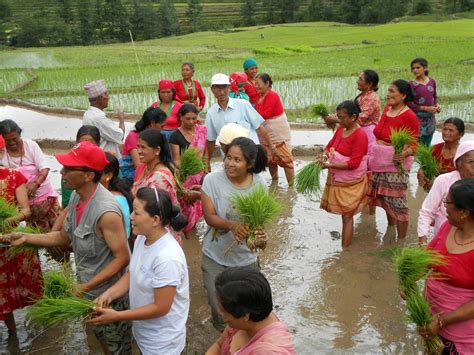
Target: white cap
(220,79)
(231,131)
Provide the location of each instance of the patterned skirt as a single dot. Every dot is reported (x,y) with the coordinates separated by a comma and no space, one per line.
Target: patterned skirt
(344,198)
(389,191)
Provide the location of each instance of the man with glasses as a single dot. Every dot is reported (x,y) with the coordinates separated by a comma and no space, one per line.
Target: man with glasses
(95,229)
(229,110)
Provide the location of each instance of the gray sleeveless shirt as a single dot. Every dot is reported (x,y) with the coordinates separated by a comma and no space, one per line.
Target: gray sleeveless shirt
(91,252)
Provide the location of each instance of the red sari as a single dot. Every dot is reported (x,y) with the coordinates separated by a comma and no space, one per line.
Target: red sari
(20,276)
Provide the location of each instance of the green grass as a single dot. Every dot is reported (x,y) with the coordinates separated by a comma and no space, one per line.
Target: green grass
(309,62)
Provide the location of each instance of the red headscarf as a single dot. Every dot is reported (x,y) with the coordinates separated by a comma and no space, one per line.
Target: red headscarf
(237,80)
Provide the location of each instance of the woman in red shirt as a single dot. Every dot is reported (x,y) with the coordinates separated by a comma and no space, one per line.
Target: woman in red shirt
(251,69)
(170,104)
(453,131)
(269,106)
(388,186)
(346,158)
(451,296)
(189,90)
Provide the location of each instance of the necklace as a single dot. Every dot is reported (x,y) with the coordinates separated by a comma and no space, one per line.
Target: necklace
(461,244)
(11,165)
(399,110)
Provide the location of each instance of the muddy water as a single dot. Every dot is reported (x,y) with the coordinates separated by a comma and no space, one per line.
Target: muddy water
(333,301)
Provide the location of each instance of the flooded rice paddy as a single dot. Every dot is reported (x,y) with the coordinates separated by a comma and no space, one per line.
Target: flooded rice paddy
(334,301)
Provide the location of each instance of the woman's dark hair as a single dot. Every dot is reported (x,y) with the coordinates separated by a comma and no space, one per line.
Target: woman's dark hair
(456,122)
(422,61)
(462,193)
(350,106)
(254,154)
(8,126)
(267,79)
(151,115)
(244,290)
(405,89)
(189,64)
(116,183)
(186,108)
(162,207)
(154,139)
(371,77)
(88,130)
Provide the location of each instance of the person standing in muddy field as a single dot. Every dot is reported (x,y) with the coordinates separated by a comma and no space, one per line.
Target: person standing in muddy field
(251,69)
(95,228)
(110,135)
(189,90)
(227,110)
(224,240)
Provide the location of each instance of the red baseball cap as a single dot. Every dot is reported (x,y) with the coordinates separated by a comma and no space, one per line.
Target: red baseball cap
(84,154)
(2,142)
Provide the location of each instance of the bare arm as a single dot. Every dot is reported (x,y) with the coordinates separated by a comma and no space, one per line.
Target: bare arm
(176,154)
(111,228)
(135,157)
(119,289)
(59,222)
(51,239)
(215,348)
(210,145)
(24,212)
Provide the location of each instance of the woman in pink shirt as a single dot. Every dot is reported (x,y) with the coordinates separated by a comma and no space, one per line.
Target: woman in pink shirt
(433,212)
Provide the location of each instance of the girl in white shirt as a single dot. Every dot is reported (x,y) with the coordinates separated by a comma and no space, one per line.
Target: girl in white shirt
(157,280)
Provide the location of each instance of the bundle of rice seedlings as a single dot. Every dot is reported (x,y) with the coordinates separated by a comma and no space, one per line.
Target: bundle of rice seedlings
(256,209)
(59,283)
(418,312)
(308,179)
(27,248)
(319,110)
(428,163)
(191,163)
(7,209)
(413,264)
(399,139)
(52,311)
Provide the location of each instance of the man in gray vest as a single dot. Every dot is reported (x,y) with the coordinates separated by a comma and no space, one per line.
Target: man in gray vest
(95,228)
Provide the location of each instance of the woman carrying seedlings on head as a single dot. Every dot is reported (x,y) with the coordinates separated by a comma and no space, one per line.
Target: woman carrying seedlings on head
(242,164)
(369,103)
(157,281)
(451,296)
(346,158)
(191,134)
(25,156)
(154,170)
(452,132)
(119,188)
(270,107)
(189,90)
(389,183)
(170,104)
(433,211)
(20,275)
(425,100)
(153,117)
(245,301)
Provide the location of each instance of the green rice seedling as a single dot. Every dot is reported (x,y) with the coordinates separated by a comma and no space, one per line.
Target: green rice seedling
(7,209)
(418,312)
(191,163)
(27,248)
(52,311)
(319,110)
(428,163)
(413,264)
(308,179)
(59,283)
(399,139)
(256,209)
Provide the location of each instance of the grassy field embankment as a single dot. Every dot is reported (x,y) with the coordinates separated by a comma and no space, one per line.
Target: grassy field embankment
(310,63)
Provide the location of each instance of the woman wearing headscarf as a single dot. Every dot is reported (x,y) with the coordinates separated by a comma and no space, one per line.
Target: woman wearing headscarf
(251,69)
(433,209)
(237,84)
(189,90)
(170,104)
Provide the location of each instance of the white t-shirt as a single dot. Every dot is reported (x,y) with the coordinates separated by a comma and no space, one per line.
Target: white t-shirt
(153,266)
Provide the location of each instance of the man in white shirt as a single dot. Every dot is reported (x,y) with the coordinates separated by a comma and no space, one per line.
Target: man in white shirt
(110,135)
(238,111)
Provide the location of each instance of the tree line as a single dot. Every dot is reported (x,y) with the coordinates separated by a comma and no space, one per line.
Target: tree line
(85,22)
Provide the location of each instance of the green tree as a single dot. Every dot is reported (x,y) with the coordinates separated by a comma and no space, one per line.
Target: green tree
(115,21)
(315,10)
(169,24)
(288,10)
(194,15)
(143,21)
(32,33)
(248,12)
(5,14)
(271,7)
(421,7)
(66,12)
(349,11)
(86,22)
